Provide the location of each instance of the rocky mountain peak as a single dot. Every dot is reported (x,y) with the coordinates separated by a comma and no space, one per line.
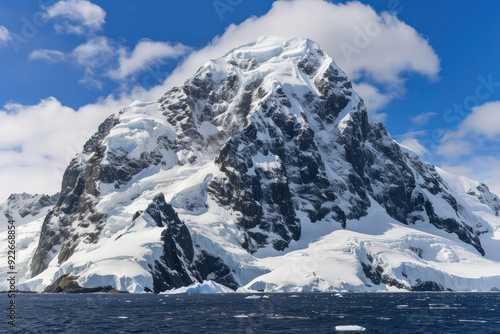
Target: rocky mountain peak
(25,207)
(259,148)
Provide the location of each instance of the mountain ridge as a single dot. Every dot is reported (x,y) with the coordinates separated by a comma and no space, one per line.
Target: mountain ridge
(263,153)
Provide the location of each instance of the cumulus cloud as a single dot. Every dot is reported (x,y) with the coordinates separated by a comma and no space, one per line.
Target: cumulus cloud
(423,118)
(90,81)
(95,52)
(374,99)
(453,149)
(4,35)
(482,124)
(410,140)
(146,52)
(79,17)
(414,145)
(392,48)
(49,56)
(473,146)
(483,121)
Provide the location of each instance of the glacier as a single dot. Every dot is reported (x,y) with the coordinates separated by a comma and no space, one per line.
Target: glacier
(263,172)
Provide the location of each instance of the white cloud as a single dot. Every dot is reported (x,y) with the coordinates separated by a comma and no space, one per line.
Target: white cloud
(90,81)
(4,35)
(474,146)
(395,50)
(485,169)
(423,118)
(101,52)
(374,99)
(483,121)
(409,140)
(145,53)
(49,56)
(94,53)
(483,124)
(458,170)
(454,149)
(98,52)
(79,17)
(414,145)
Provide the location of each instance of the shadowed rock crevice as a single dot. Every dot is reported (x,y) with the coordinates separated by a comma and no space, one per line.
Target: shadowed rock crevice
(179,265)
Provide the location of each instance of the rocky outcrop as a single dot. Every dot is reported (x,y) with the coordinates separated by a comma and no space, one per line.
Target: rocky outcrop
(173,269)
(180,265)
(399,181)
(68,284)
(26,205)
(75,210)
(485,196)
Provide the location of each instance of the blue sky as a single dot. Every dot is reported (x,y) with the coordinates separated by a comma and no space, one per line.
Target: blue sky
(429,69)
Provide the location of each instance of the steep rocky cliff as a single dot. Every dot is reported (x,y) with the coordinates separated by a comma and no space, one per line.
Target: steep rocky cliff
(263,153)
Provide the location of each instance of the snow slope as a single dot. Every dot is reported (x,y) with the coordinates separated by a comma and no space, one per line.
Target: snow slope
(262,172)
(25,208)
(28,212)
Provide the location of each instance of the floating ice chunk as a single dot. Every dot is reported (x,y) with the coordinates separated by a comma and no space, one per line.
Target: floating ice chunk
(207,287)
(338,295)
(252,297)
(401,306)
(350,328)
(241,316)
(122,317)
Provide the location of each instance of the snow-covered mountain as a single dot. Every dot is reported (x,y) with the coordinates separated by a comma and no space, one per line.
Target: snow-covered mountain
(24,208)
(264,171)
(28,212)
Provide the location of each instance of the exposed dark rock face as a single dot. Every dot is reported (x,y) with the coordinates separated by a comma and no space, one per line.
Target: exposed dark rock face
(172,269)
(427,286)
(179,266)
(75,209)
(377,276)
(269,199)
(485,196)
(417,251)
(389,176)
(27,204)
(68,284)
(209,266)
(268,196)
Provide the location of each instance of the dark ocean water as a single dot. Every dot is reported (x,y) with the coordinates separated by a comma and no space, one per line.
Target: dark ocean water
(280,313)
